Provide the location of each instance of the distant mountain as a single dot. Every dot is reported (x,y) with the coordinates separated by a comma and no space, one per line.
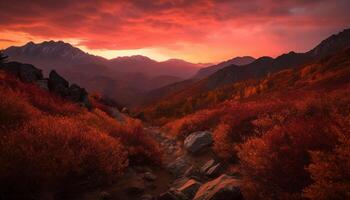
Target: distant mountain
(152,68)
(265,65)
(50,55)
(239,61)
(124,78)
(259,68)
(60,55)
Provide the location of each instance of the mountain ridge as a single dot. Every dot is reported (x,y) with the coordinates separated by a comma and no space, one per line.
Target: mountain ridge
(239,60)
(49,55)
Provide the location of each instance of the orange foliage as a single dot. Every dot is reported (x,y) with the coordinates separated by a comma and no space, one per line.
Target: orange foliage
(14,109)
(330,170)
(202,120)
(50,144)
(141,148)
(55,151)
(279,158)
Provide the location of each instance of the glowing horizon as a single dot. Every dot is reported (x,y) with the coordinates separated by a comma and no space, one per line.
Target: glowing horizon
(198,31)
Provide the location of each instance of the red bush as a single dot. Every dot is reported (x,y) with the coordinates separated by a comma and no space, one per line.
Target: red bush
(330,170)
(14,109)
(57,152)
(273,166)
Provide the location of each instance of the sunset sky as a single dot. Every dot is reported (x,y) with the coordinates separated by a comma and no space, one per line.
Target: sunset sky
(193,30)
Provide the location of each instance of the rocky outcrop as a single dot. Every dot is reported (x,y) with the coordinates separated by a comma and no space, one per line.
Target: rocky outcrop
(198,141)
(58,84)
(25,72)
(221,188)
(55,83)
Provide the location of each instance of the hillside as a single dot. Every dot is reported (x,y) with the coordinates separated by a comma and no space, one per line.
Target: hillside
(195,95)
(290,127)
(61,147)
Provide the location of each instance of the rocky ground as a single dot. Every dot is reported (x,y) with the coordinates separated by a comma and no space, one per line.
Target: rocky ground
(190,171)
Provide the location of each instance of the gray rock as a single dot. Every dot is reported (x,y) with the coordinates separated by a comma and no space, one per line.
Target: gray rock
(214,170)
(207,166)
(58,84)
(198,141)
(179,182)
(190,188)
(179,166)
(76,93)
(221,188)
(25,72)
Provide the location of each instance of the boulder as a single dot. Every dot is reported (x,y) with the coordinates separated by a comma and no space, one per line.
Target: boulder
(221,188)
(198,141)
(192,172)
(178,167)
(190,188)
(76,93)
(25,72)
(58,84)
(214,170)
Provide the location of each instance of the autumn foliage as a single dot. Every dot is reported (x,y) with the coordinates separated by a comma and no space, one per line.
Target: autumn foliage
(50,144)
(289,138)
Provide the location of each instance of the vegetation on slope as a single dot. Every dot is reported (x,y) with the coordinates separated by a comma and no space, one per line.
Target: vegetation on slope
(48,144)
(288,133)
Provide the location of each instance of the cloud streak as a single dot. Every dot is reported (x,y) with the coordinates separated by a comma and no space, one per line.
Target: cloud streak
(180,27)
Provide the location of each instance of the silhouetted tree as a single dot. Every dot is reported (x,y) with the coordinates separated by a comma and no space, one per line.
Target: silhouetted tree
(3,58)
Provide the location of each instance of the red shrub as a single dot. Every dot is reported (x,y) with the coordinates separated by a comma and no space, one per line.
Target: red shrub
(330,170)
(56,152)
(273,166)
(14,109)
(203,120)
(142,148)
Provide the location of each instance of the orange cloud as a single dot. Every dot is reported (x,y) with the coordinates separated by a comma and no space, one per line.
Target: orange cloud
(197,30)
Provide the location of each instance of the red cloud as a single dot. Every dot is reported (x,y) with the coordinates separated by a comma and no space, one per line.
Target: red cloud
(123,24)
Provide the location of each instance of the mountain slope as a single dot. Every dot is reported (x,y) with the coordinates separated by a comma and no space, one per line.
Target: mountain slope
(239,61)
(222,84)
(264,65)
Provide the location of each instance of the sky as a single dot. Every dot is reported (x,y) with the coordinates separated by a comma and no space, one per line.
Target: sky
(205,31)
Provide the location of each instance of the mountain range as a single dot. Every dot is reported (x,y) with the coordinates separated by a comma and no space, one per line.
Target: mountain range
(186,92)
(123,78)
